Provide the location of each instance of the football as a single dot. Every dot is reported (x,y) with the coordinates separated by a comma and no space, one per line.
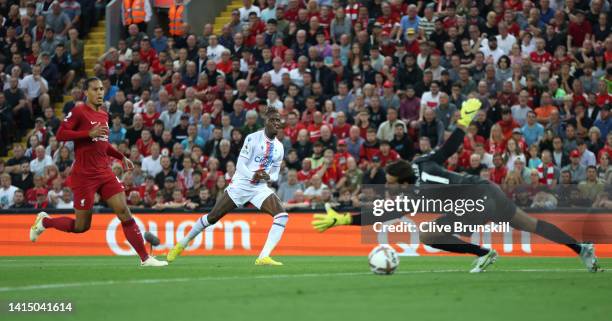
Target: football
(383,260)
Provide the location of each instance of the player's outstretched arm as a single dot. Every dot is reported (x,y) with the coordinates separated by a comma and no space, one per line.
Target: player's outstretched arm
(469,109)
(322,222)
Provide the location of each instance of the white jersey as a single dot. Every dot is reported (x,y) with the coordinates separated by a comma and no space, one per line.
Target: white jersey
(258,152)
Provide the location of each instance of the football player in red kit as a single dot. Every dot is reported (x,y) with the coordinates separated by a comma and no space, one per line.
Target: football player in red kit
(87,126)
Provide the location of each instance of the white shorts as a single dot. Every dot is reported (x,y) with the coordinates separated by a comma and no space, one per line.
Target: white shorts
(242,193)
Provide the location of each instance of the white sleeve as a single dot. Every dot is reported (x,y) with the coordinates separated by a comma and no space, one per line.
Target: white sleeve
(246,150)
(275,170)
(244,157)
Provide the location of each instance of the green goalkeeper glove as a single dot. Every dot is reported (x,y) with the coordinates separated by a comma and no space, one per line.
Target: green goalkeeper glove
(321,222)
(469,108)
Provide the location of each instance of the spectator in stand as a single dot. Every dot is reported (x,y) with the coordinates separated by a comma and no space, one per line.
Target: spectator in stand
(379,77)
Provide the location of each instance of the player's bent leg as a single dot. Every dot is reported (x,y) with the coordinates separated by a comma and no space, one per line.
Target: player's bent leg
(453,244)
(222,207)
(527,223)
(63,223)
(132,233)
(272,205)
(83,221)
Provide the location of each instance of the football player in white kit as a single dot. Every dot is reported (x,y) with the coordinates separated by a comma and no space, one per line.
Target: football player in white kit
(259,162)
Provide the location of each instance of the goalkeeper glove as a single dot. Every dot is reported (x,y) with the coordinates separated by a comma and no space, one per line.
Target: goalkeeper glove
(469,108)
(321,222)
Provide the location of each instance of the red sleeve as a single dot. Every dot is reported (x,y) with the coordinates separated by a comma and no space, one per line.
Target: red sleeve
(111,151)
(67,130)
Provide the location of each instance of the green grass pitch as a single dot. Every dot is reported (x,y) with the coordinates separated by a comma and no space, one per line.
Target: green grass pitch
(306,288)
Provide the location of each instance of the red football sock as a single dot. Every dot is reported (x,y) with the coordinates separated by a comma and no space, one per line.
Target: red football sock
(133,235)
(63,223)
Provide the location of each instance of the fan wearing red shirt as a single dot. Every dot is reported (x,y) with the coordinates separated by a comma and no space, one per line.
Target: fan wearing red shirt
(388,21)
(176,89)
(150,115)
(87,126)
(225,65)
(306,173)
(145,142)
(341,127)
(341,156)
(579,29)
(330,174)
(315,128)
(278,50)
(602,96)
(291,11)
(386,154)
(293,127)
(540,57)
(147,53)
(311,109)
(499,171)
(507,123)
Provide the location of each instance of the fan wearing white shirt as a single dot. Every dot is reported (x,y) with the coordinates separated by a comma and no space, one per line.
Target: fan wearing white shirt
(152,163)
(430,98)
(214,49)
(246,10)
(491,51)
(273,99)
(42,160)
(34,85)
(276,74)
(7,191)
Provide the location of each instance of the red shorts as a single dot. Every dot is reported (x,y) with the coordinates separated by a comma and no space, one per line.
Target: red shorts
(84,189)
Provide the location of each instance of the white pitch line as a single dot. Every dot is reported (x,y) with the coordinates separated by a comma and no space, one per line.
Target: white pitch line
(257,277)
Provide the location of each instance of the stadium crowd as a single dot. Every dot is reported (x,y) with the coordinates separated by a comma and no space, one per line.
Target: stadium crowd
(359,84)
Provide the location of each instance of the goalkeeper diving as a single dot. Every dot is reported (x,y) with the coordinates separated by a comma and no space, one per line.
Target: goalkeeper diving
(499,208)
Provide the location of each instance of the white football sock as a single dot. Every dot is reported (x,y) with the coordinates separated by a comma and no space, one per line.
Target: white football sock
(275,234)
(197,228)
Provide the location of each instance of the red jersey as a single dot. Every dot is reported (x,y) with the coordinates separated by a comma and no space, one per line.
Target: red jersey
(91,154)
(498,174)
(340,160)
(507,127)
(384,159)
(225,67)
(292,132)
(304,176)
(278,51)
(388,23)
(148,120)
(331,176)
(342,131)
(149,56)
(144,148)
(540,58)
(603,99)
(315,132)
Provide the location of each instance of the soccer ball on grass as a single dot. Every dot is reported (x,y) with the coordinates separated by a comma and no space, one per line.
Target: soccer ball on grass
(383,260)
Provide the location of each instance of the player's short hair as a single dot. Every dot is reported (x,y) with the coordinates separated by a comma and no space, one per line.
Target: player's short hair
(271,110)
(89,81)
(400,169)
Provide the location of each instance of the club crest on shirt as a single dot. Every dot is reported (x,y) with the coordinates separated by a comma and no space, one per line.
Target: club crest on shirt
(103,138)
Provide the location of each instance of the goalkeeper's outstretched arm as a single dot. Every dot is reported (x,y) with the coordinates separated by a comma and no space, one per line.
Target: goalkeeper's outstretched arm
(322,222)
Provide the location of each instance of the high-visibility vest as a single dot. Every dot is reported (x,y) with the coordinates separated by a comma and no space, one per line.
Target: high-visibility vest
(163,3)
(133,11)
(175,17)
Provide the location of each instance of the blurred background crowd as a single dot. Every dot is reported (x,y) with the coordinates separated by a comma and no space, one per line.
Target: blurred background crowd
(359,84)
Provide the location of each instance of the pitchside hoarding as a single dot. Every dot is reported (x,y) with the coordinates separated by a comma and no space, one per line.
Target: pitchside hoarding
(245,234)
